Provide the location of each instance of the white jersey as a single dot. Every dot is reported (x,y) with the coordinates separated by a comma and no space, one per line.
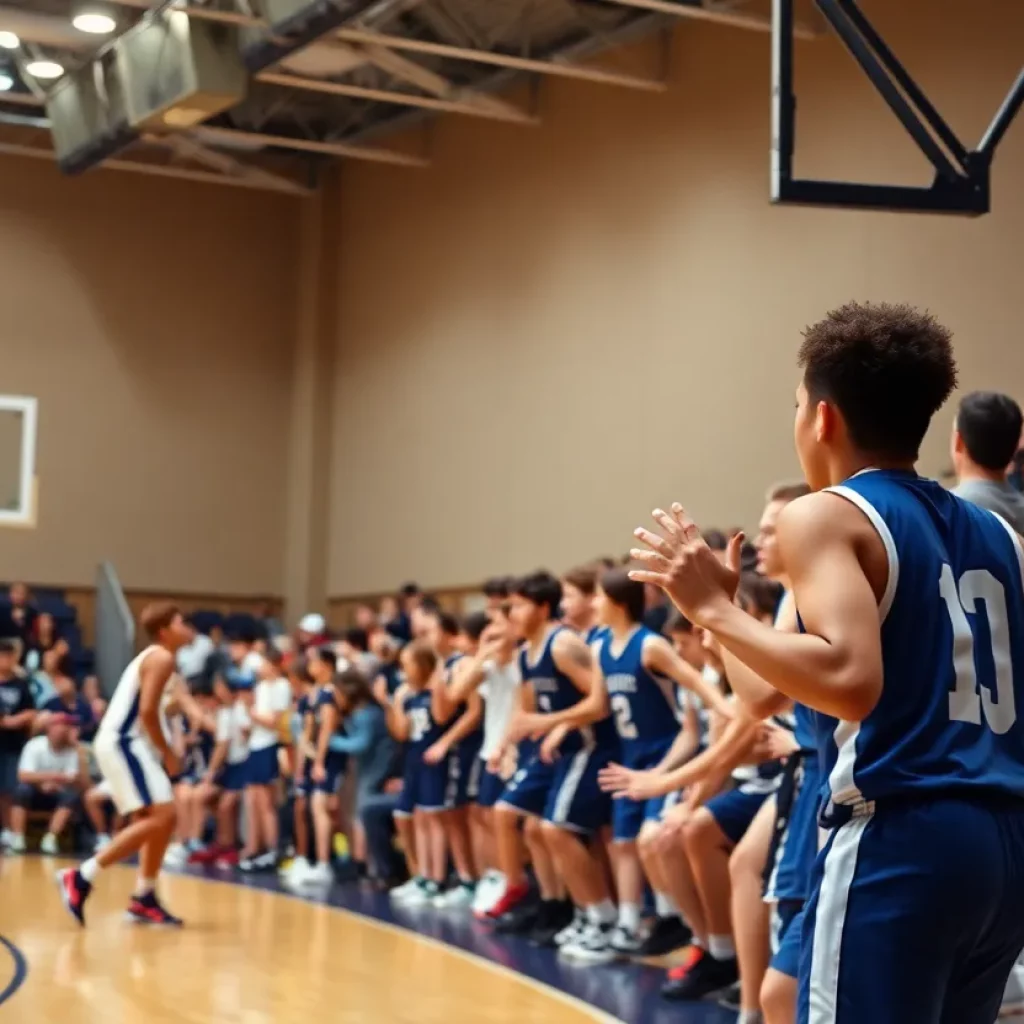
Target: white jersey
(500,691)
(121,719)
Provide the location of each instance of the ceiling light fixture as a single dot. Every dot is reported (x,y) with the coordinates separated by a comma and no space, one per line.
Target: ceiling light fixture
(9,41)
(44,69)
(95,23)
(6,82)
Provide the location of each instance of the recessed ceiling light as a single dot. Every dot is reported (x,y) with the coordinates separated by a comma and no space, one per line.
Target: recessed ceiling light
(6,82)
(44,69)
(94,23)
(9,41)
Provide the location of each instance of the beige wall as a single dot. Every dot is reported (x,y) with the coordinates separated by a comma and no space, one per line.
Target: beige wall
(553,329)
(153,320)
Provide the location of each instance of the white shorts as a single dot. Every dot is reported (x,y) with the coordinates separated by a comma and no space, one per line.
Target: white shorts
(133,770)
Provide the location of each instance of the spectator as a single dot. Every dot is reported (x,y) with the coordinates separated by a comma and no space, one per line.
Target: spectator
(194,657)
(41,681)
(391,618)
(354,647)
(67,701)
(386,648)
(271,624)
(312,632)
(17,713)
(496,591)
(18,620)
(44,638)
(366,619)
(50,778)
(985,439)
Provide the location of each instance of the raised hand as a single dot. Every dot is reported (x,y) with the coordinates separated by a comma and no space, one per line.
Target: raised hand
(631,783)
(679,562)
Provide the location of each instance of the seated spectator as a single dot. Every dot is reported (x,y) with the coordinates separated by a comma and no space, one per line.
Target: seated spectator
(193,658)
(18,619)
(17,713)
(45,637)
(311,632)
(67,700)
(99,809)
(41,681)
(50,778)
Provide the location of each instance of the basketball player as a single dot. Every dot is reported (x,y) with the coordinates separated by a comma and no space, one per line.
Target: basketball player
(578,613)
(640,672)
(560,781)
(911,603)
(134,755)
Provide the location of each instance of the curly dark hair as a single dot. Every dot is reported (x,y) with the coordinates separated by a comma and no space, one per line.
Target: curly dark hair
(887,368)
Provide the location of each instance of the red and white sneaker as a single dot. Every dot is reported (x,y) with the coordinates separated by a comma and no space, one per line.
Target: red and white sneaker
(148,910)
(74,891)
(510,899)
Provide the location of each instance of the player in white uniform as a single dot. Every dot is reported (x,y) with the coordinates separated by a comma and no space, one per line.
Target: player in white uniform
(134,754)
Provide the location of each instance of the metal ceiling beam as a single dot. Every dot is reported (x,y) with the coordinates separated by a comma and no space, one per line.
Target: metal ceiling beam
(157,170)
(230,136)
(190,149)
(556,66)
(720,16)
(472,104)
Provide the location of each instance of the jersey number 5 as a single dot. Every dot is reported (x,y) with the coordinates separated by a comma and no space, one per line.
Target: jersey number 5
(979,586)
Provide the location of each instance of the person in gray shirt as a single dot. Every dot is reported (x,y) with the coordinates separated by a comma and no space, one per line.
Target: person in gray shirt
(986,436)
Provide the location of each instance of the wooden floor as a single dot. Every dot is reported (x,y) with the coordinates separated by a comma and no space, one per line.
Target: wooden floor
(246,957)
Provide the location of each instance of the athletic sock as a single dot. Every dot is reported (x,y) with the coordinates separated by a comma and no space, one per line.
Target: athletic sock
(629,916)
(750,1017)
(699,943)
(602,913)
(144,887)
(721,947)
(89,869)
(664,905)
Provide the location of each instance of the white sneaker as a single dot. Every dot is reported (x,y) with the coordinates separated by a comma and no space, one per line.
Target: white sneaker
(5,837)
(625,941)
(488,891)
(422,896)
(102,842)
(176,856)
(402,892)
(295,868)
(573,931)
(319,875)
(15,843)
(458,897)
(592,947)
(48,847)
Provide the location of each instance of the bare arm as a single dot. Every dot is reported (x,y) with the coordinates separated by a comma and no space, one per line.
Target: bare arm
(573,658)
(328,723)
(836,665)
(442,707)
(467,722)
(760,698)
(395,717)
(685,745)
(469,679)
(660,658)
(155,670)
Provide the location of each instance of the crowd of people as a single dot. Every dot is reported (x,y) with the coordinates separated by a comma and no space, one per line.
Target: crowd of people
(575,762)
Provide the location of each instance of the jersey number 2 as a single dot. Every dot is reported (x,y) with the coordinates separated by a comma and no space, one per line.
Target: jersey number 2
(978,586)
(623,712)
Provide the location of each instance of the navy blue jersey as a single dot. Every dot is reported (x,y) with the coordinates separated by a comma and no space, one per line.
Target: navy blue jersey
(952,649)
(555,691)
(424,732)
(644,717)
(805,727)
(596,633)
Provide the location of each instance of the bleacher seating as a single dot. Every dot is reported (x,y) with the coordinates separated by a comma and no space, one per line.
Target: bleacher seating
(54,602)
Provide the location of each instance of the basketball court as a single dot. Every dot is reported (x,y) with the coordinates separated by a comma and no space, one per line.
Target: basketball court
(253,953)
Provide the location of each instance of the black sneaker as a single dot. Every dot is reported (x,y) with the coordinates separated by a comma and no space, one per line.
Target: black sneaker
(707,976)
(74,891)
(667,934)
(730,998)
(521,919)
(148,910)
(553,917)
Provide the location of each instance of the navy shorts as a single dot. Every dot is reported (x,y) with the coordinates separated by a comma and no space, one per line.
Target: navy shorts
(797,846)
(915,914)
(407,798)
(735,810)
(262,766)
(334,767)
(786,926)
(464,770)
(628,816)
(656,808)
(492,785)
(233,777)
(303,785)
(565,793)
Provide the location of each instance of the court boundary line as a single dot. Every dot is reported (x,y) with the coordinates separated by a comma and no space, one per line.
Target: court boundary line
(559,995)
(20,969)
